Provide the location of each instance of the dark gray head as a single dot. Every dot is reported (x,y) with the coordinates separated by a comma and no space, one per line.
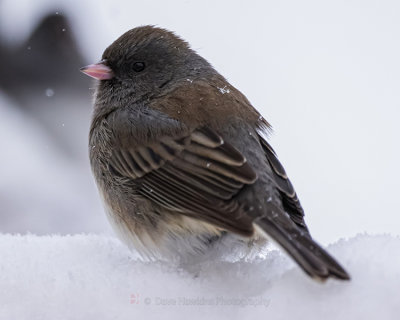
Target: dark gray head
(143,63)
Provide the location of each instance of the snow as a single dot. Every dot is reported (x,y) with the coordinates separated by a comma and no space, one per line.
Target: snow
(224,90)
(96,277)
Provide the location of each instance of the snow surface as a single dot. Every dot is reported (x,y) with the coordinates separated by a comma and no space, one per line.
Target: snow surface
(96,277)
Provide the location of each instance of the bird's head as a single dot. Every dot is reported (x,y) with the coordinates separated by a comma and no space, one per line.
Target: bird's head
(145,62)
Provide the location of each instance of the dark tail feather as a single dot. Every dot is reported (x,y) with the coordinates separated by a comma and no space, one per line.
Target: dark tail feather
(313,259)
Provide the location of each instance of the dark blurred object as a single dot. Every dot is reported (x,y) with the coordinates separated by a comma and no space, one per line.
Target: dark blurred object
(45,184)
(42,76)
(49,58)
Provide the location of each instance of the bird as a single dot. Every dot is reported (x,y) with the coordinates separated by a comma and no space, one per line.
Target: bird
(182,160)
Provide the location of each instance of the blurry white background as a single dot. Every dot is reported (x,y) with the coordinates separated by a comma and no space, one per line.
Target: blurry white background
(326,75)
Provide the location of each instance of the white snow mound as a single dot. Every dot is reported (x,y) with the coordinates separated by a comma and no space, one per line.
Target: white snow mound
(96,277)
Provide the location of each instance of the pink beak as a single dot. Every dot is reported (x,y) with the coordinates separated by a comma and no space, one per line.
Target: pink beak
(98,71)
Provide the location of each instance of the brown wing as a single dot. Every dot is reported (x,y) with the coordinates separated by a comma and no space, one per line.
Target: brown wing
(195,175)
(290,201)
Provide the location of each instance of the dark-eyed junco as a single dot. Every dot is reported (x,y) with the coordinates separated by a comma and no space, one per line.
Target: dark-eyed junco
(180,156)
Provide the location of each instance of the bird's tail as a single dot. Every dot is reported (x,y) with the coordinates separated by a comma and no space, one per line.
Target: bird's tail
(309,255)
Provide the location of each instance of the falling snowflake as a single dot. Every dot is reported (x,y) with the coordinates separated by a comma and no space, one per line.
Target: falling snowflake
(49,92)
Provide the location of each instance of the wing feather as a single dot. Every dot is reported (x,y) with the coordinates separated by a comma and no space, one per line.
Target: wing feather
(197,175)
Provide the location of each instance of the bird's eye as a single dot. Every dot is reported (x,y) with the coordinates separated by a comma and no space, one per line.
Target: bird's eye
(138,66)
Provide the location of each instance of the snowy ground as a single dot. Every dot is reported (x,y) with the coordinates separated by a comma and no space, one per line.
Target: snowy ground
(95,277)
